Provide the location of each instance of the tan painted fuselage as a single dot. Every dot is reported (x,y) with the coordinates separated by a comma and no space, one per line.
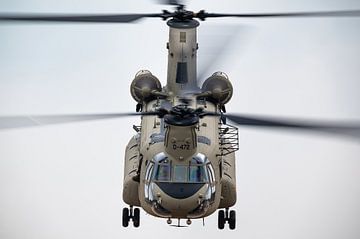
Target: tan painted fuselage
(179,145)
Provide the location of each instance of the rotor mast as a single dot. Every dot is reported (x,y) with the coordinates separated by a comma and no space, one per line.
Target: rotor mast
(182,55)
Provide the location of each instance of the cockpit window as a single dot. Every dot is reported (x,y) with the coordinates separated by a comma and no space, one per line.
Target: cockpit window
(199,159)
(180,173)
(148,172)
(161,158)
(197,170)
(163,172)
(196,174)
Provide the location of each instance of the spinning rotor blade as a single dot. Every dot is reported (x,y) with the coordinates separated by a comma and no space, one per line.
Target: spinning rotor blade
(179,14)
(349,129)
(170,2)
(104,18)
(11,122)
(345,13)
(217,42)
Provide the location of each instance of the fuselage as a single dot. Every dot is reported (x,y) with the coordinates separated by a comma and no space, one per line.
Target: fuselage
(186,154)
(175,167)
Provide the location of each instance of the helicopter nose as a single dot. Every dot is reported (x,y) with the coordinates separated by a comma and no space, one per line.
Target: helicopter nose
(181,200)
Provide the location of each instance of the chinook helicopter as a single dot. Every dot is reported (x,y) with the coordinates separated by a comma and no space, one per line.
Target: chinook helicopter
(180,164)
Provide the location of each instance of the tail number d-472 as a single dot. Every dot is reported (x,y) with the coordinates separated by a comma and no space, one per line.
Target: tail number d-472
(181,146)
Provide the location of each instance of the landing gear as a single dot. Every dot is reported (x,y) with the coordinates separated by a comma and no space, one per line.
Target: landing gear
(125,217)
(225,216)
(131,213)
(136,217)
(221,219)
(232,220)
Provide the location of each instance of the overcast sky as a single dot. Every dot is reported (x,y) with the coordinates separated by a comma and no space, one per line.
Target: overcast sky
(65,181)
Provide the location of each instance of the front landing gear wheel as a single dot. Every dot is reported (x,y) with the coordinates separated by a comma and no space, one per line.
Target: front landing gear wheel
(224,216)
(136,217)
(125,217)
(232,220)
(221,219)
(133,214)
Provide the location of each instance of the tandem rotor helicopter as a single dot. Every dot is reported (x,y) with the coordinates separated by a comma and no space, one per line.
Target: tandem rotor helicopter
(180,164)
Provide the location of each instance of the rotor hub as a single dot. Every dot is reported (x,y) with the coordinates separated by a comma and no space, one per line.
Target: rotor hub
(183,15)
(181,115)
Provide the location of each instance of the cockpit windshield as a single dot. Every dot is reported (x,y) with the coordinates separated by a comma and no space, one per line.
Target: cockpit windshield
(166,174)
(195,172)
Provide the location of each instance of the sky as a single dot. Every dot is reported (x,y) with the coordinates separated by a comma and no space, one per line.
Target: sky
(65,181)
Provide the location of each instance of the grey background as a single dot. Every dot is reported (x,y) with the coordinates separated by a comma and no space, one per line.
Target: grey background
(65,181)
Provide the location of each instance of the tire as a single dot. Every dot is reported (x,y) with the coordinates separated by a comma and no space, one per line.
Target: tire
(136,218)
(221,219)
(232,220)
(125,217)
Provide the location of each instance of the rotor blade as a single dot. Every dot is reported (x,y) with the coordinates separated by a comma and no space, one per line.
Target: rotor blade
(219,44)
(170,2)
(104,18)
(348,129)
(10,122)
(344,13)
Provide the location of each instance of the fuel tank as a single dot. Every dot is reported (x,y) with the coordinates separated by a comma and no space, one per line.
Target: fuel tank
(228,181)
(132,162)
